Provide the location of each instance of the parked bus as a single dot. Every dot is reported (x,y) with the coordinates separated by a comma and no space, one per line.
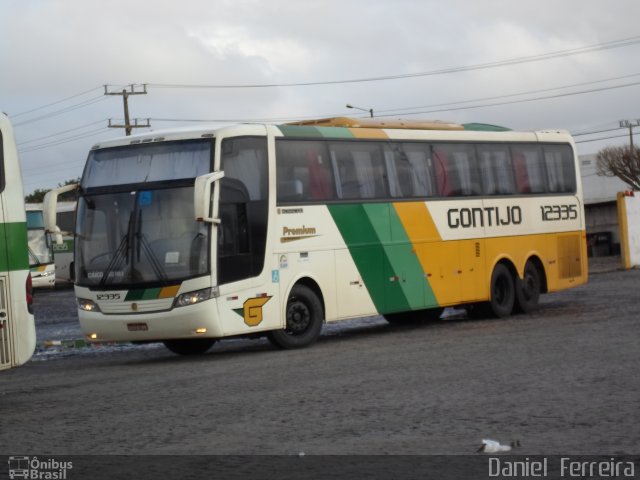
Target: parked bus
(63,252)
(17,328)
(192,235)
(41,264)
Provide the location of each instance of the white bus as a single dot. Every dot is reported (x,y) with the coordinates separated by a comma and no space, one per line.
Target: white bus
(41,264)
(17,328)
(192,235)
(63,252)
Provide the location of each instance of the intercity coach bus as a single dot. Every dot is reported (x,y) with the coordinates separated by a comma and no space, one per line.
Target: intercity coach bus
(17,329)
(192,235)
(41,264)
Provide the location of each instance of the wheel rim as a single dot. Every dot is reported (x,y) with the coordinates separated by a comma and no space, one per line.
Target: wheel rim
(501,291)
(298,317)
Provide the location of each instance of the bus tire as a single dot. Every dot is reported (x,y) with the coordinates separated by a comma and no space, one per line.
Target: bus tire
(503,293)
(189,346)
(304,320)
(528,289)
(415,316)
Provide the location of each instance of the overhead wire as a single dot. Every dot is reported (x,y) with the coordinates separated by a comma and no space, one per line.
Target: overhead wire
(480,66)
(54,103)
(83,104)
(62,141)
(60,133)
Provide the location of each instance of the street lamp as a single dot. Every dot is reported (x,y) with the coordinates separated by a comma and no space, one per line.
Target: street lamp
(363,109)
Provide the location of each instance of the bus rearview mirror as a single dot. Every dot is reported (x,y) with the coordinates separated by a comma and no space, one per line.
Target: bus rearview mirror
(49,210)
(202,197)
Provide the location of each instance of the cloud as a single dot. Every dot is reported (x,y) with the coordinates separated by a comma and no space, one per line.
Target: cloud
(51,49)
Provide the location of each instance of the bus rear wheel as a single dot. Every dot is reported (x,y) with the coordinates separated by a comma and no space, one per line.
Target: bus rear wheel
(414,316)
(304,320)
(528,289)
(189,346)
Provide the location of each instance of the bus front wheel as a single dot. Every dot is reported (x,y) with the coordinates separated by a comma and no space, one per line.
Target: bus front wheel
(190,346)
(304,320)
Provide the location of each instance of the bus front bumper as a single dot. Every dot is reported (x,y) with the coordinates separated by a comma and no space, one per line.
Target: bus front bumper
(193,321)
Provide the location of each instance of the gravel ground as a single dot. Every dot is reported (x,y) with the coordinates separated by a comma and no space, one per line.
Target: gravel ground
(561,381)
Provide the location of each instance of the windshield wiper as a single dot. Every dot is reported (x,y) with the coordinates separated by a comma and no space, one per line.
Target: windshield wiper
(142,241)
(122,252)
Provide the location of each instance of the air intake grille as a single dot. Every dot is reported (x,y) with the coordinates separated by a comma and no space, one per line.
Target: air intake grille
(569,253)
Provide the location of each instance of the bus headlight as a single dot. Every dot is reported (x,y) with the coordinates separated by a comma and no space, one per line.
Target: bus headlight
(88,305)
(197,296)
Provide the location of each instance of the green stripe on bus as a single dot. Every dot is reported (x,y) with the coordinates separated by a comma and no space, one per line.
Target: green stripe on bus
(142,294)
(309,131)
(384,256)
(13,247)
(335,132)
(364,246)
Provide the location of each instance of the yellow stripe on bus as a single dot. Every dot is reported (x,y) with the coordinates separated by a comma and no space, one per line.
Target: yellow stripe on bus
(169,292)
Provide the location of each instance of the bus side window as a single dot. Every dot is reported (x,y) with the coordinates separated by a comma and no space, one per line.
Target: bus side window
(410,170)
(495,169)
(303,171)
(319,176)
(560,168)
(529,169)
(520,172)
(359,170)
(444,185)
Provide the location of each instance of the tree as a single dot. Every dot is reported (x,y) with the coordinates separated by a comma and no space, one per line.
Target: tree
(38,195)
(621,162)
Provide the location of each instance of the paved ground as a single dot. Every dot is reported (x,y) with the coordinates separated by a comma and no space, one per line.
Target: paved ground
(563,380)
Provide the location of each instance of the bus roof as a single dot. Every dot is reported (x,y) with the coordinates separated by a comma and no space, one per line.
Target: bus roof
(380,123)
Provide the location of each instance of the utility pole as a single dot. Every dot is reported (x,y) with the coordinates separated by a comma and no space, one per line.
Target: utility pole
(630,124)
(128,126)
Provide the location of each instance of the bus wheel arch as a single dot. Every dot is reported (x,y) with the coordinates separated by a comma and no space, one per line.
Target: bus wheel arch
(501,292)
(304,316)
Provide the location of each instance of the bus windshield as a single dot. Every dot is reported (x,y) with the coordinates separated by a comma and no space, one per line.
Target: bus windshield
(147,163)
(140,237)
(142,230)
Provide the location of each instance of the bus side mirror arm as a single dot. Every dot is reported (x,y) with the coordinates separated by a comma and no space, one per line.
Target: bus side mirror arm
(49,210)
(202,197)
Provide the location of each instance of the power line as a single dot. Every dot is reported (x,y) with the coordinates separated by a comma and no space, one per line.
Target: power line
(603,138)
(59,133)
(393,112)
(480,66)
(525,100)
(498,97)
(55,103)
(62,141)
(83,104)
(594,132)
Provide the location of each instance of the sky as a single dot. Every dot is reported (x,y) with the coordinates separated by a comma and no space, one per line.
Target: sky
(569,64)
